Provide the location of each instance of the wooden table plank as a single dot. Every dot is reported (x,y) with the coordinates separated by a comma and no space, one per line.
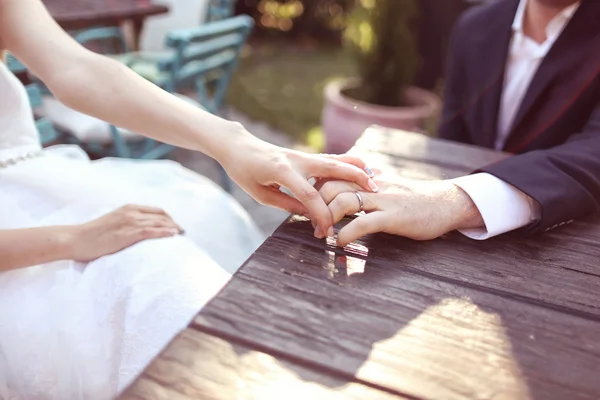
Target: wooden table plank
(409,333)
(507,318)
(200,366)
(550,270)
(78,14)
(73,15)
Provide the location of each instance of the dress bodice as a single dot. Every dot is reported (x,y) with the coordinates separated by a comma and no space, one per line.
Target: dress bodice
(18,133)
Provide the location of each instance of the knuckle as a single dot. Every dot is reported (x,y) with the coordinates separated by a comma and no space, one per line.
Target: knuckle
(330,165)
(327,190)
(281,167)
(147,231)
(309,194)
(131,217)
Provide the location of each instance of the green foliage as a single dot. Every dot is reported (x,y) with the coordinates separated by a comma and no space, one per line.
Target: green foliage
(381,34)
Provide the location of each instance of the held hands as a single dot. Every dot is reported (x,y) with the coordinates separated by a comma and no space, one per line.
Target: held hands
(261,169)
(419,210)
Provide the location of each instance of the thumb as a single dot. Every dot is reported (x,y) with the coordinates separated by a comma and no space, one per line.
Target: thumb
(361,226)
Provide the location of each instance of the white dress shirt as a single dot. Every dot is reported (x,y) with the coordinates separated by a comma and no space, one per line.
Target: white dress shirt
(502,206)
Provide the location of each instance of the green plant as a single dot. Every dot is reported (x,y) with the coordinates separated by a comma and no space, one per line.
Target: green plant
(381,34)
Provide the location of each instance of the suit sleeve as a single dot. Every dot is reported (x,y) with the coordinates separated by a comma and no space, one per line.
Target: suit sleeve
(452,125)
(565,180)
(502,206)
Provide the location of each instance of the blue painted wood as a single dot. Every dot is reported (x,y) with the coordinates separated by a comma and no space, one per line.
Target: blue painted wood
(206,56)
(44,127)
(105,37)
(46,131)
(14,65)
(205,59)
(220,9)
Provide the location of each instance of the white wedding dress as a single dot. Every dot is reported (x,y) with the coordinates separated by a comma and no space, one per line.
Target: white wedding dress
(71,331)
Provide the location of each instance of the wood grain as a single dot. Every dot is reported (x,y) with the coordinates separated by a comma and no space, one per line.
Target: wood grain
(555,270)
(508,318)
(408,333)
(200,366)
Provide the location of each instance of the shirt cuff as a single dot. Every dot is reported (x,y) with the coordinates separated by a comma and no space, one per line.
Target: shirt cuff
(502,206)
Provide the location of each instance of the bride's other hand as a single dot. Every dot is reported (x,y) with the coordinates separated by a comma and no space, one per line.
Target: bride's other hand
(261,169)
(118,230)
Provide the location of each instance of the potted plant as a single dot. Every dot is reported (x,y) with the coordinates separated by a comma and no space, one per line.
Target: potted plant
(380,33)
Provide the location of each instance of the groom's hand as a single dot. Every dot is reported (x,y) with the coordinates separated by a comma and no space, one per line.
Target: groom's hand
(262,169)
(419,210)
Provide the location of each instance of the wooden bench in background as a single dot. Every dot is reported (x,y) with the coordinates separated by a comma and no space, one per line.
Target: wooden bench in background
(389,318)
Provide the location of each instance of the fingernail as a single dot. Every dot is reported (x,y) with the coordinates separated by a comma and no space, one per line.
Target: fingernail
(369,172)
(182,232)
(174,231)
(318,233)
(330,232)
(373,186)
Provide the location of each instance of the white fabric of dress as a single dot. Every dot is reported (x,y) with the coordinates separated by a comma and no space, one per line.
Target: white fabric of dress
(78,331)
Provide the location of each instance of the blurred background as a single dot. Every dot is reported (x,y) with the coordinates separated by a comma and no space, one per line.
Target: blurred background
(305,74)
(299,46)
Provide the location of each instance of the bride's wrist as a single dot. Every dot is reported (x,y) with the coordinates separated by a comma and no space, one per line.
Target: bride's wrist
(235,139)
(65,239)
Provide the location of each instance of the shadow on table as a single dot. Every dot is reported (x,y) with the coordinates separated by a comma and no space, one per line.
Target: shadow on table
(365,317)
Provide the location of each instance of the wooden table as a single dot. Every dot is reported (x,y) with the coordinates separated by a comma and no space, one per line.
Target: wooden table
(390,318)
(81,14)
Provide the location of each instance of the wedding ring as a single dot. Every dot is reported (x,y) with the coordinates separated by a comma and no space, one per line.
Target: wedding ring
(360,202)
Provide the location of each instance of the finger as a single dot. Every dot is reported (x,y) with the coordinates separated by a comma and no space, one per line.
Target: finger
(281,200)
(149,210)
(361,226)
(146,233)
(348,159)
(323,167)
(332,189)
(344,204)
(310,198)
(159,221)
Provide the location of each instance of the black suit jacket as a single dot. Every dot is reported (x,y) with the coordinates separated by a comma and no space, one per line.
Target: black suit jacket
(556,133)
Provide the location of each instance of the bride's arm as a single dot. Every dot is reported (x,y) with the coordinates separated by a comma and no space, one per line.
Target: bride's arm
(101,87)
(104,88)
(108,234)
(26,247)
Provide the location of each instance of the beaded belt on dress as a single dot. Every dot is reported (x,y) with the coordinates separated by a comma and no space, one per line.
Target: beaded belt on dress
(15,160)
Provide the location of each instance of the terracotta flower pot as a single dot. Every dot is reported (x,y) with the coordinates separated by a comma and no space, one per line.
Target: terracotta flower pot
(345,119)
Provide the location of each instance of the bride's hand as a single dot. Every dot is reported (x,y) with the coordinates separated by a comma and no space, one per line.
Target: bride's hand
(118,230)
(261,169)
